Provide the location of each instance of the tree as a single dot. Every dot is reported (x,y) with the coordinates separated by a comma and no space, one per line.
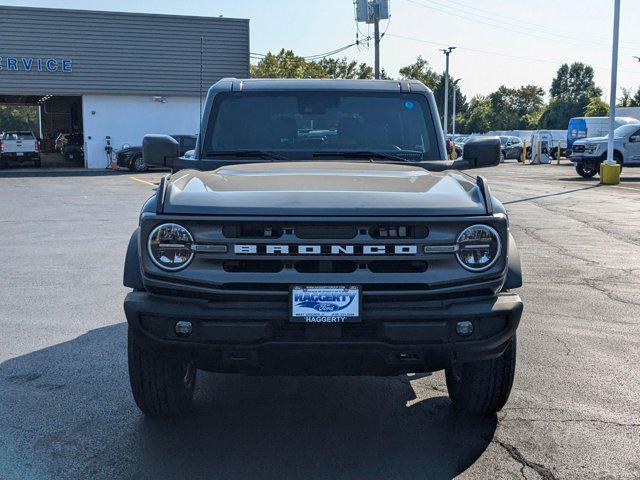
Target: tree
(596,108)
(635,101)
(287,64)
(571,91)
(422,71)
(478,116)
(625,99)
(574,83)
(516,108)
(19,117)
(342,68)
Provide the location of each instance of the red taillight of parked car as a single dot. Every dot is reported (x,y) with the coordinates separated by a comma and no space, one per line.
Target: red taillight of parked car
(37,145)
(1,146)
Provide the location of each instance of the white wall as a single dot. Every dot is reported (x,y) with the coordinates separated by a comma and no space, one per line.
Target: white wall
(127,118)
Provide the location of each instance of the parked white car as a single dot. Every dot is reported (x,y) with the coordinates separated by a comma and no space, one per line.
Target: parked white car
(19,146)
(589,153)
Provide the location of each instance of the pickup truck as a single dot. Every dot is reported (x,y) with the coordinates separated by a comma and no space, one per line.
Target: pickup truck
(588,153)
(19,146)
(319,229)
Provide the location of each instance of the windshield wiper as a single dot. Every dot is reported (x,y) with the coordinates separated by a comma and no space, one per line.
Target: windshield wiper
(246,154)
(361,154)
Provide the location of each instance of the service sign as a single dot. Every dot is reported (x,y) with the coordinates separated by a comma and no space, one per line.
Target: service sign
(325,304)
(9,63)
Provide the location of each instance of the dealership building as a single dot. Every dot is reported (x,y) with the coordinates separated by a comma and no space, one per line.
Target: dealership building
(114,77)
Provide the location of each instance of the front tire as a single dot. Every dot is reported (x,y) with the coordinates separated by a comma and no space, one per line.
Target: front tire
(161,386)
(139,165)
(483,387)
(586,172)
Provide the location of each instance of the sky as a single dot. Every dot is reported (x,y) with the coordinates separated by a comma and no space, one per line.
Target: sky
(499,42)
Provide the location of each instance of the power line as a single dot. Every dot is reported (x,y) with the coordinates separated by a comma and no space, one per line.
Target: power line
(529,23)
(318,56)
(500,54)
(503,25)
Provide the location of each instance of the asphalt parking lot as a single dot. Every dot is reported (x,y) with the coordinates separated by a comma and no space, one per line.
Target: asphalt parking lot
(66,411)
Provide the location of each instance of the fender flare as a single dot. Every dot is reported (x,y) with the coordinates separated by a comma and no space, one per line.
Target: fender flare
(132,276)
(514,269)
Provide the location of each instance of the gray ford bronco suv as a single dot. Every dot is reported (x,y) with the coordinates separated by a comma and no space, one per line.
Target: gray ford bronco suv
(320,230)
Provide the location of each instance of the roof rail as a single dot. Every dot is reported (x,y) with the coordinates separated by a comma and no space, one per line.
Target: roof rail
(405,86)
(236,85)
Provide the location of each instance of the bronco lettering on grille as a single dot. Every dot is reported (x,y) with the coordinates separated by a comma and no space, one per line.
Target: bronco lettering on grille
(325,249)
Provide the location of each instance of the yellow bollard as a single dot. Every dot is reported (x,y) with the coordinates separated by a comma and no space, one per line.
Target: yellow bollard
(558,157)
(609,174)
(454,154)
(524,153)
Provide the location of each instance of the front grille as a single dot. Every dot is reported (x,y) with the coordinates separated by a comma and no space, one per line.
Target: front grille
(395,265)
(578,148)
(325,266)
(253,266)
(325,231)
(323,236)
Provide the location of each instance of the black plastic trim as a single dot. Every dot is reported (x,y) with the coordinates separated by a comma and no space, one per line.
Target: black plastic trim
(132,276)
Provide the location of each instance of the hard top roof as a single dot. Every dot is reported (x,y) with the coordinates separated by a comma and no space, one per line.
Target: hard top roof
(313,84)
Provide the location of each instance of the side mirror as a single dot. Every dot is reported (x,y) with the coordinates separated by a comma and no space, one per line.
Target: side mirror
(479,152)
(634,139)
(160,150)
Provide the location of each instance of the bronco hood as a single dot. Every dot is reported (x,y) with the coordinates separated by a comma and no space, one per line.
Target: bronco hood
(323,188)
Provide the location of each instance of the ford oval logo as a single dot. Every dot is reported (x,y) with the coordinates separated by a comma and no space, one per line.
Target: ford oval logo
(325,302)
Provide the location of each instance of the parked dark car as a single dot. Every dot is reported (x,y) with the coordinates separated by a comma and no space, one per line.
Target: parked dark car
(511,148)
(131,156)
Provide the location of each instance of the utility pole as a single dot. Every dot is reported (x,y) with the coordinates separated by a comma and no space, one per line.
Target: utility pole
(376,35)
(453,120)
(372,11)
(447,52)
(614,82)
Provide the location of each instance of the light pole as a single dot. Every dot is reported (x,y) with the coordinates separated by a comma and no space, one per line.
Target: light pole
(453,112)
(447,52)
(614,82)
(376,43)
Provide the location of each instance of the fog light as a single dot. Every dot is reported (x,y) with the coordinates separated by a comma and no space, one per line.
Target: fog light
(183,328)
(464,328)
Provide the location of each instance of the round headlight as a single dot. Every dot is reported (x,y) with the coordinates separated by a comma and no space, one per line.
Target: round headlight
(170,246)
(478,247)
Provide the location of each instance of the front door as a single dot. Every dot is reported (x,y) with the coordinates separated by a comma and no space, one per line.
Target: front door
(633,149)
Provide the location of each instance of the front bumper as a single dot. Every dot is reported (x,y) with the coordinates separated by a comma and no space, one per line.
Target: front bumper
(581,159)
(124,161)
(258,339)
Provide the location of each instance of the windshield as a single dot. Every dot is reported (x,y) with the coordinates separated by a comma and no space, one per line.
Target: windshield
(625,130)
(504,140)
(301,124)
